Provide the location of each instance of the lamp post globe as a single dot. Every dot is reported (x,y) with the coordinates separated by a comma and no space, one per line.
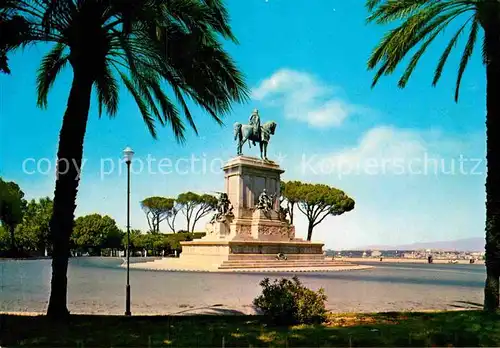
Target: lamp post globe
(128,153)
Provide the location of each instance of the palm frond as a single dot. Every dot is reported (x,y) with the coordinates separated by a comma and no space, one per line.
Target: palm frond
(414,60)
(51,65)
(13,31)
(170,112)
(56,15)
(442,21)
(399,42)
(147,71)
(145,78)
(142,84)
(380,72)
(4,63)
(220,19)
(211,83)
(391,10)
(107,91)
(187,113)
(446,53)
(215,80)
(423,21)
(468,50)
(141,104)
(131,43)
(371,4)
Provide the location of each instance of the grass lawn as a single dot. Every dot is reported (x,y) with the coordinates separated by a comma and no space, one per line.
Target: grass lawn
(460,328)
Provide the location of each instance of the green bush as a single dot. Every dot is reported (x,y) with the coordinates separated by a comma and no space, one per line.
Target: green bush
(4,239)
(198,235)
(287,301)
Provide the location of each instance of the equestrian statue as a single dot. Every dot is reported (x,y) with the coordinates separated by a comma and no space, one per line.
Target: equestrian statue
(254,133)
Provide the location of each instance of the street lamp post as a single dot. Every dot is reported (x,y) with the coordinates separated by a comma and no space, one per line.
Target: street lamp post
(128,153)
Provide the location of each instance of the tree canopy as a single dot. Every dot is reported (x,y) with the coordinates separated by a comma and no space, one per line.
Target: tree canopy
(158,243)
(195,206)
(173,215)
(317,201)
(157,209)
(12,206)
(206,204)
(33,233)
(4,241)
(94,231)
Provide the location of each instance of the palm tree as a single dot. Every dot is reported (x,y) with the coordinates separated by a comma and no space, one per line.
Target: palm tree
(420,21)
(142,45)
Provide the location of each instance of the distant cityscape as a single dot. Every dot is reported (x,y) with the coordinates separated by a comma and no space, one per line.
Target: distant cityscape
(409,254)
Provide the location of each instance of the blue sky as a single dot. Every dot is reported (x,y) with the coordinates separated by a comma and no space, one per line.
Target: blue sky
(306,64)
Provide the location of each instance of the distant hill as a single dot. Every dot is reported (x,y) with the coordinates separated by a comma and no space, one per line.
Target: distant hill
(468,244)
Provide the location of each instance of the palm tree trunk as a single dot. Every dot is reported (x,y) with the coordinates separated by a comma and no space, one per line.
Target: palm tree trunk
(69,163)
(491,289)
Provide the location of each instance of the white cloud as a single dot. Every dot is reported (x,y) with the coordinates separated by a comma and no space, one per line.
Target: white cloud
(384,146)
(387,150)
(305,98)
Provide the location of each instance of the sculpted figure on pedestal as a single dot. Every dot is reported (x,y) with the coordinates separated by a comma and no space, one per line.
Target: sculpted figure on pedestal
(224,209)
(283,214)
(265,202)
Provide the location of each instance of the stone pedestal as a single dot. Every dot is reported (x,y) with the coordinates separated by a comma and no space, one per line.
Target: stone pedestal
(252,234)
(217,231)
(267,227)
(245,178)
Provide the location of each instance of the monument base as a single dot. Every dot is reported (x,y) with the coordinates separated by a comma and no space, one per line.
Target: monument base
(253,254)
(256,255)
(255,235)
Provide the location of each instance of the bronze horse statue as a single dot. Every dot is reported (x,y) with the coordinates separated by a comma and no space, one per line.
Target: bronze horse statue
(244,132)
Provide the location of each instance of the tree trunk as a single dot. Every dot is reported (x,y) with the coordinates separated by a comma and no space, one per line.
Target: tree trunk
(156,226)
(492,45)
(171,224)
(69,156)
(310,230)
(195,221)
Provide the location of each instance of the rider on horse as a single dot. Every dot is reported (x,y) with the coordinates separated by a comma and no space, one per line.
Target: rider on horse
(254,133)
(255,123)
